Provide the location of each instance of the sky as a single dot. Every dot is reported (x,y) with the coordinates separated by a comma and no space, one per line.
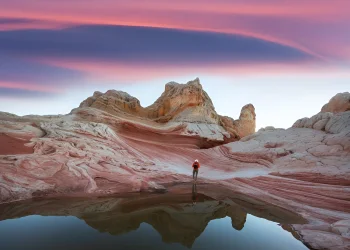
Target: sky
(286,57)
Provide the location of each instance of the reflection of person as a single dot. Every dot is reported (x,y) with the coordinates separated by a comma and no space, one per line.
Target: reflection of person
(195,167)
(194,194)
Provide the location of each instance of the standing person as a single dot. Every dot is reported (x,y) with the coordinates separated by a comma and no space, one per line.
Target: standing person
(195,167)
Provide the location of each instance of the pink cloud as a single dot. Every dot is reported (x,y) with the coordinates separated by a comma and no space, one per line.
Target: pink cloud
(100,72)
(29,87)
(316,28)
(33,25)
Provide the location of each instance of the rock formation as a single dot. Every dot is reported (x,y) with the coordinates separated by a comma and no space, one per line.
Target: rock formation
(114,102)
(180,104)
(113,145)
(242,127)
(339,103)
(183,103)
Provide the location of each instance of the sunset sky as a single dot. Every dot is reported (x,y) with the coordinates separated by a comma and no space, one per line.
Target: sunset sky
(286,57)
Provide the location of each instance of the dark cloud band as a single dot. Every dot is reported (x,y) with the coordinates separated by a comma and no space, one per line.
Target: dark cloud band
(15,69)
(140,44)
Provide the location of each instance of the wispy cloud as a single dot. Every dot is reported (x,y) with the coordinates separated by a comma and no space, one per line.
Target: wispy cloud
(66,56)
(24,93)
(55,45)
(17,70)
(297,23)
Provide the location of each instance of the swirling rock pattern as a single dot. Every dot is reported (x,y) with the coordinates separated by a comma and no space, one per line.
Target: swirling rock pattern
(118,147)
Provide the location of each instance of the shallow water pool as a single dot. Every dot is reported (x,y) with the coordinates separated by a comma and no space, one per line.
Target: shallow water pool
(144,222)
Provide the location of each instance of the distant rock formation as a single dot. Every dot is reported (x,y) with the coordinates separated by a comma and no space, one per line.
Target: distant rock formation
(334,118)
(339,103)
(114,102)
(179,103)
(184,103)
(242,127)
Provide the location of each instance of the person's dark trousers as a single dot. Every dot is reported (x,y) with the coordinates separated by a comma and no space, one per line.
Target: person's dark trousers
(195,171)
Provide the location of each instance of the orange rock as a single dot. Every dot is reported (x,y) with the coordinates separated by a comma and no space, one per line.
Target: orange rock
(179,103)
(338,103)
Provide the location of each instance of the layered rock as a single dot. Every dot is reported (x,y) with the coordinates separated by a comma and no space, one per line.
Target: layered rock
(242,127)
(94,152)
(186,104)
(179,102)
(337,123)
(328,119)
(114,102)
(339,103)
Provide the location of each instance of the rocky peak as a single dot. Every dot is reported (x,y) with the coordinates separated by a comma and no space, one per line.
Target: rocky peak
(242,127)
(338,103)
(183,103)
(334,118)
(248,113)
(113,102)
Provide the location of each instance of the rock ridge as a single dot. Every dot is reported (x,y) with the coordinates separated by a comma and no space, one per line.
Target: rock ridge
(179,103)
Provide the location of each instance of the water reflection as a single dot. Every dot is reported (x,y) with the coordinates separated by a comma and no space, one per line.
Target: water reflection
(171,215)
(194,193)
(175,222)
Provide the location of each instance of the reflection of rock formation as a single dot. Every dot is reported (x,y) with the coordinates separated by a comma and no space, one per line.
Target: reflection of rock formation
(173,216)
(181,223)
(237,217)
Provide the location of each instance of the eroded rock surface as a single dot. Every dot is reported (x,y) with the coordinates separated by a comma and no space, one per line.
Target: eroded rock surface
(120,147)
(242,127)
(186,104)
(339,103)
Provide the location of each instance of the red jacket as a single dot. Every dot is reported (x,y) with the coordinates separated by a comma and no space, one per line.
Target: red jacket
(196,163)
